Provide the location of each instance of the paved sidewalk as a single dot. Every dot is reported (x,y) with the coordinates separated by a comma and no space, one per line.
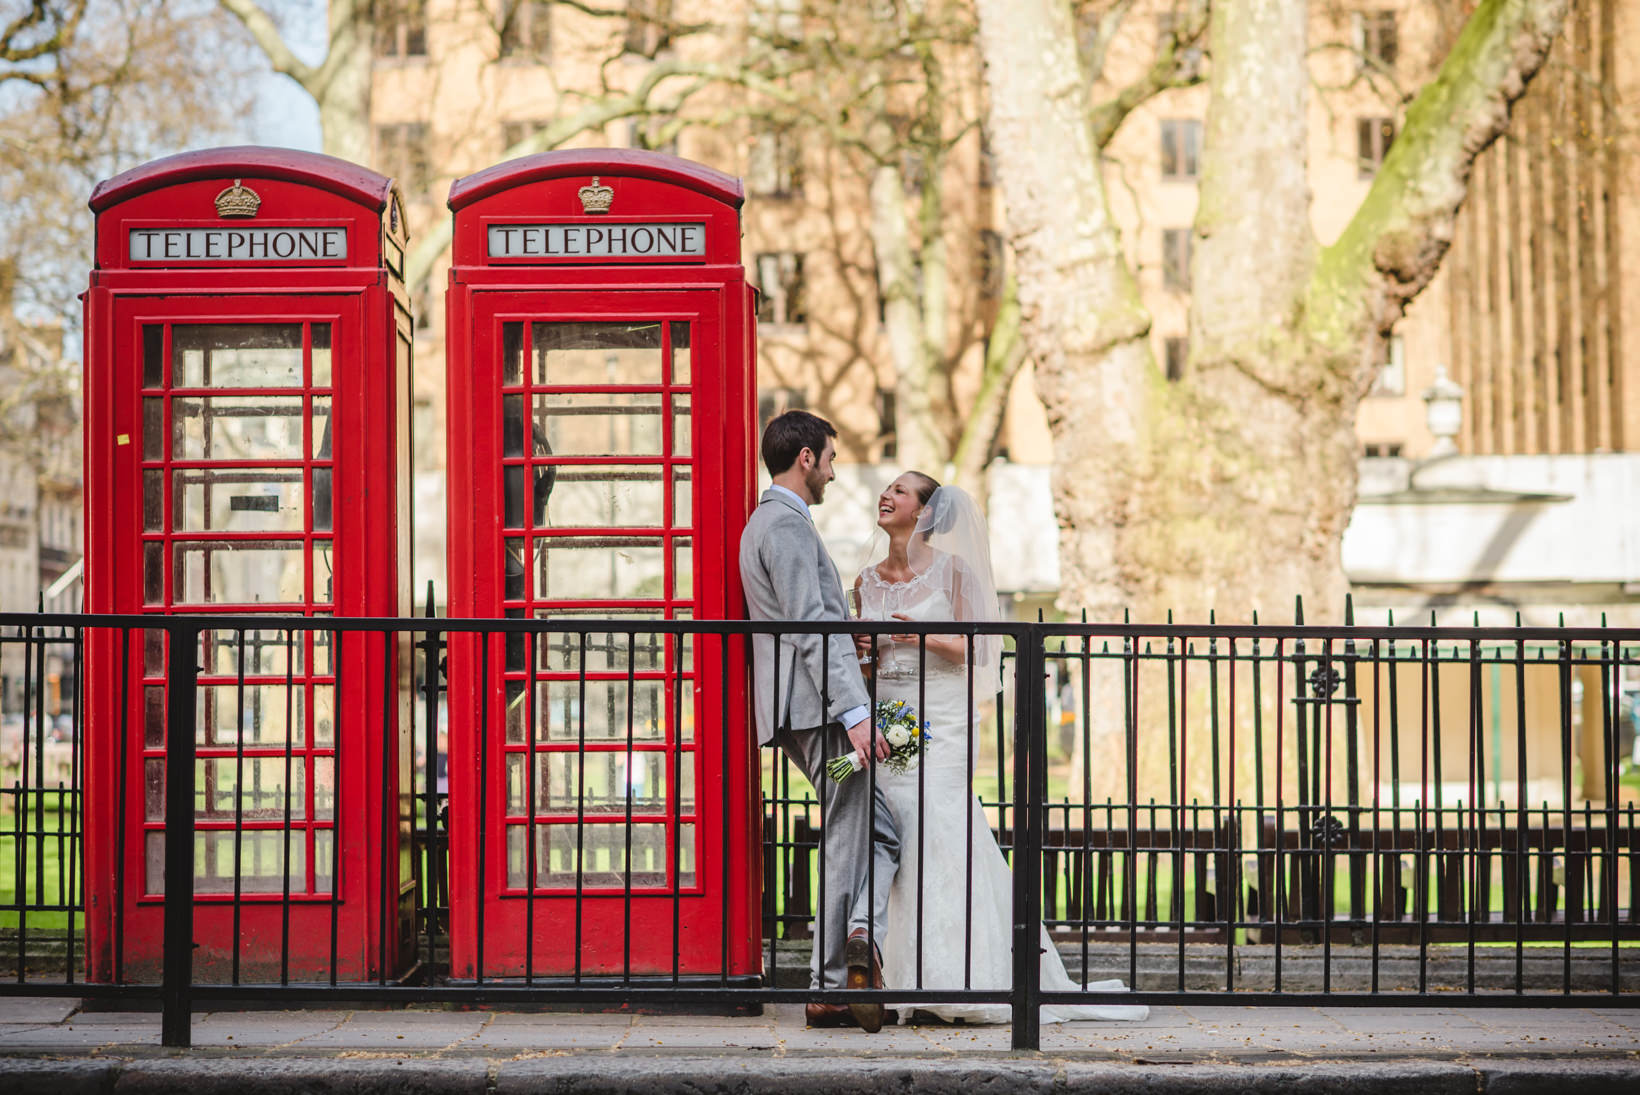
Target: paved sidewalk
(48,1045)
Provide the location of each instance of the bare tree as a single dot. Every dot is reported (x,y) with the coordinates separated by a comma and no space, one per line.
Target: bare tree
(866,80)
(340,81)
(890,90)
(1233,488)
(92,87)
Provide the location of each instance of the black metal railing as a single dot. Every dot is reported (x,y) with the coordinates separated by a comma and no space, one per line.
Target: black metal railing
(1258,814)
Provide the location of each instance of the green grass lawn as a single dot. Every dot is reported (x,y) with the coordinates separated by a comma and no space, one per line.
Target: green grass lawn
(40,864)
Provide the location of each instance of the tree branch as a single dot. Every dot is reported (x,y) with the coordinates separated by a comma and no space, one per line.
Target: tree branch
(17,51)
(65,21)
(1177,64)
(1093,48)
(1394,244)
(271,42)
(595,114)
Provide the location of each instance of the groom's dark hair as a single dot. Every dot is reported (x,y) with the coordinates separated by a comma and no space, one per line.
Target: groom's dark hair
(788,434)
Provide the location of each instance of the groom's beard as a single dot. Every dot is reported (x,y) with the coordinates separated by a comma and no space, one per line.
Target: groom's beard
(816,482)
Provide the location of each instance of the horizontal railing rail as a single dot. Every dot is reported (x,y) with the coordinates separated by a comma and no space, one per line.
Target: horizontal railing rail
(1257,813)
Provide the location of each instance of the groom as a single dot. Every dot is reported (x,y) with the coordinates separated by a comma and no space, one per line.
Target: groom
(812,701)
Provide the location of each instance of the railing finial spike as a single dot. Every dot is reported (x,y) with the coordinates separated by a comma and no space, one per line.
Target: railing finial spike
(1349,610)
(1298,610)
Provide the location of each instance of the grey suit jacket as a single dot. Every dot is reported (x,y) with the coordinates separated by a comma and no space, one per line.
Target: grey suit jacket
(788,575)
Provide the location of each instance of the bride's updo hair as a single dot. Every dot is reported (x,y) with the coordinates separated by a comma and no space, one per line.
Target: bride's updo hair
(936,519)
(926,486)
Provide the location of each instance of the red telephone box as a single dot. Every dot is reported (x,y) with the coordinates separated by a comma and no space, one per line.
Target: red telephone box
(603,795)
(247,355)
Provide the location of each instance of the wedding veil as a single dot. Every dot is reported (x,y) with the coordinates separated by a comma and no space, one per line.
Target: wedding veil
(951,532)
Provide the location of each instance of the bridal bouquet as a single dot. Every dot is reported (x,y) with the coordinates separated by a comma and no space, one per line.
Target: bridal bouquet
(907,738)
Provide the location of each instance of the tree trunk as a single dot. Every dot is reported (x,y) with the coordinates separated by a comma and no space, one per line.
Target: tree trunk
(1232,489)
(342,87)
(340,84)
(917,443)
(1252,513)
(1080,311)
(1004,356)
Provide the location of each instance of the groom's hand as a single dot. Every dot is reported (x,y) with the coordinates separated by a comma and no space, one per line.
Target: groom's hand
(864,737)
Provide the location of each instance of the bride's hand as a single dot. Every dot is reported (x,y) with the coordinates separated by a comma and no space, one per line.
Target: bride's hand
(953,648)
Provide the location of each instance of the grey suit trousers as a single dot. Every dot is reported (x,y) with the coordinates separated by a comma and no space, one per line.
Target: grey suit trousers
(854,885)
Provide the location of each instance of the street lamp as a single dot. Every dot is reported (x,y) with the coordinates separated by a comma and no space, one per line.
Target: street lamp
(1443,411)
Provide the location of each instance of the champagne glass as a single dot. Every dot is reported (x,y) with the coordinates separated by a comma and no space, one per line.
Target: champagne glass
(856,611)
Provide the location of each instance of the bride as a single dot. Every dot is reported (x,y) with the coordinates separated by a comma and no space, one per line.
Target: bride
(934,563)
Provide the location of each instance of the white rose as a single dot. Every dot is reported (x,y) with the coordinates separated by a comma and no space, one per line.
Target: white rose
(897,736)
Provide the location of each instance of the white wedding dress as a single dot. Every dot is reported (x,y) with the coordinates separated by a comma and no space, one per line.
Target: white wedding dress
(935,835)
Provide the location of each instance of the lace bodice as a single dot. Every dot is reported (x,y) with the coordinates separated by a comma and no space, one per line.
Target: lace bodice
(925,596)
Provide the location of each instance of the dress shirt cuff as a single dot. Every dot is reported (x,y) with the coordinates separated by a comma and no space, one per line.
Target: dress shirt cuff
(854,715)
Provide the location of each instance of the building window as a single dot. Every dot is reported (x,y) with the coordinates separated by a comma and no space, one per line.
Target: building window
(516,131)
(776,19)
(1373,136)
(648,26)
(1376,42)
(775,401)
(1176,259)
(401,152)
(1181,148)
(639,135)
(1392,374)
(401,28)
(775,164)
(780,288)
(888,445)
(1175,352)
(992,263)
(525,28)
(1381,450)
(1188,60)
(913,167)
(423,304)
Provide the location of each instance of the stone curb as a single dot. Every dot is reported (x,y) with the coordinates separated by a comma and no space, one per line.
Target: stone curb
(607,1074)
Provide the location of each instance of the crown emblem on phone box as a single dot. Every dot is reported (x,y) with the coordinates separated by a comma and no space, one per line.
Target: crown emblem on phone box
(238,200)
(596,198)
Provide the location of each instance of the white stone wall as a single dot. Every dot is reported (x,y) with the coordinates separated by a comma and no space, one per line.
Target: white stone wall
(1499,519)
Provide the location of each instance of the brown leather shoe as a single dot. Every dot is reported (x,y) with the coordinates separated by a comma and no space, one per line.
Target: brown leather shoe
(829,1015)
(865,970)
